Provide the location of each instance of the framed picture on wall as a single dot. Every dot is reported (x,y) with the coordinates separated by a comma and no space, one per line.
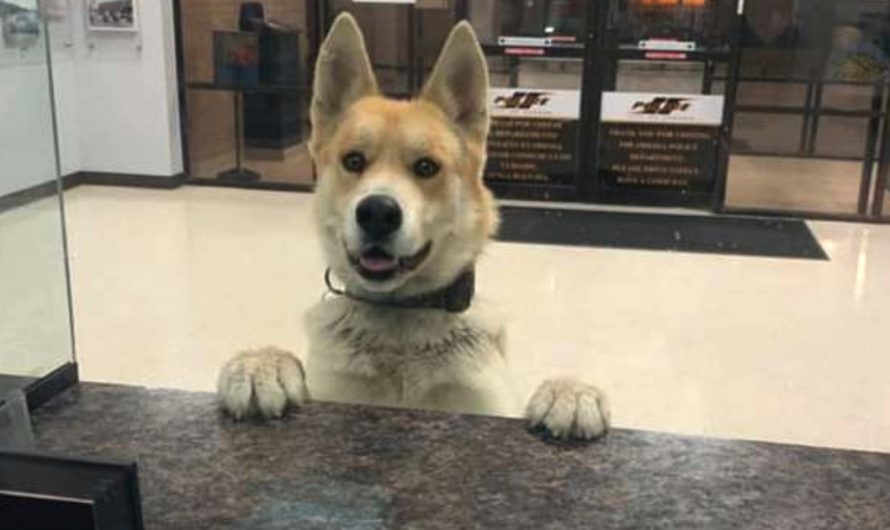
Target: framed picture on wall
(19,26)
(112,15)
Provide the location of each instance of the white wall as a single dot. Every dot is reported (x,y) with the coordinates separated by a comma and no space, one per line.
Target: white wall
(65,90)
(125,103)
(116,100)
(26,142)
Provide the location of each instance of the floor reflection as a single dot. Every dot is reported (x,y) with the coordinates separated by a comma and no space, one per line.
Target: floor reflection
(169,283)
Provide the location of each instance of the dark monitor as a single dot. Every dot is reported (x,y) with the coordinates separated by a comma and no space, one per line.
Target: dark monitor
(40,492)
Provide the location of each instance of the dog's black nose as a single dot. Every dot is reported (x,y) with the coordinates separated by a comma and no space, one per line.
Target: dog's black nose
(378,216)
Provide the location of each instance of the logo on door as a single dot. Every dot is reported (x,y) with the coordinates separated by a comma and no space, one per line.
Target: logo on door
(664,106)
(522,100)
(646,107)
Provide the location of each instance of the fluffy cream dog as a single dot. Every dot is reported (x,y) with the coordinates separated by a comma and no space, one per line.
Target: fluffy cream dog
(402,215)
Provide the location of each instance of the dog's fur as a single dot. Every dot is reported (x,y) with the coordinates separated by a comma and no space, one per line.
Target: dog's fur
(372,354)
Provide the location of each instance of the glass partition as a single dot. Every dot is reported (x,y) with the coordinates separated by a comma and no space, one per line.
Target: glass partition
(811,96)
(35,333)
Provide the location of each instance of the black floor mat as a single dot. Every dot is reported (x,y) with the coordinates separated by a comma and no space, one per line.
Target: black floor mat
(747,236)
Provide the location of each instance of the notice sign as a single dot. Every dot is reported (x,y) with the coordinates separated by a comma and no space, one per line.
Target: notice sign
(656,141)
(533,135)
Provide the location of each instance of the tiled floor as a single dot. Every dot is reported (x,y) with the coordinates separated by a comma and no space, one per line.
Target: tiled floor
(167,284)
(34,326)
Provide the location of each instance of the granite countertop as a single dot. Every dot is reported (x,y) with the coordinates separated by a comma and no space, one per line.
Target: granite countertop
(336,466)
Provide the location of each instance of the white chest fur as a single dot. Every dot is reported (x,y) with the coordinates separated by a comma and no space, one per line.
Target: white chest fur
(419,358)
(423,359)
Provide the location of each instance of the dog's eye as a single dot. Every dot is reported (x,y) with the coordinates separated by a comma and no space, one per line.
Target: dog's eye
(426,168)
(354,162)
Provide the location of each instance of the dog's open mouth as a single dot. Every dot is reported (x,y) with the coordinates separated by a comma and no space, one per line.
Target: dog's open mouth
(375,263)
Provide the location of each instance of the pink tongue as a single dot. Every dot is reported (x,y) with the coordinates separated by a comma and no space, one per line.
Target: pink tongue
(378,264)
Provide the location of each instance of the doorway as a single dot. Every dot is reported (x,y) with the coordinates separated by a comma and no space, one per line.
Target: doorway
(620,102)
(661,128)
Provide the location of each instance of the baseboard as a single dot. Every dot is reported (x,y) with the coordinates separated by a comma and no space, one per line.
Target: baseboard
(49,386)
(50,188)
(254,185)
(126,179)
(28,195)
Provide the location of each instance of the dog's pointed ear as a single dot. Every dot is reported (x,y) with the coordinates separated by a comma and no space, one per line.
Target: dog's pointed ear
(459,82)
(343,73)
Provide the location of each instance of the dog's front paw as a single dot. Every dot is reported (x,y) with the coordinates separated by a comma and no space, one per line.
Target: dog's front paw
(261,383)
(569,409)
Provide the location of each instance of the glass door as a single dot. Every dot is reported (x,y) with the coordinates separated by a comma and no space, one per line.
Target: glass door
(536,56)
(662,105)
(811,100)
(761,106)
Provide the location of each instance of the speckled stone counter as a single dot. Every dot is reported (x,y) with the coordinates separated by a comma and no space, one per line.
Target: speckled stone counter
(332,466)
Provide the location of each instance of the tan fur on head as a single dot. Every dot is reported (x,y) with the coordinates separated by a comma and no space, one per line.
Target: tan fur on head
(459,83)
(448,123)
(343,75)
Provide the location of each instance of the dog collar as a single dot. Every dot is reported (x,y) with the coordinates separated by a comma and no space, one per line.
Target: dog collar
(454,298)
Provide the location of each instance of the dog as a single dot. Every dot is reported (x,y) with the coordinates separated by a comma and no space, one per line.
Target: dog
(403,215)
